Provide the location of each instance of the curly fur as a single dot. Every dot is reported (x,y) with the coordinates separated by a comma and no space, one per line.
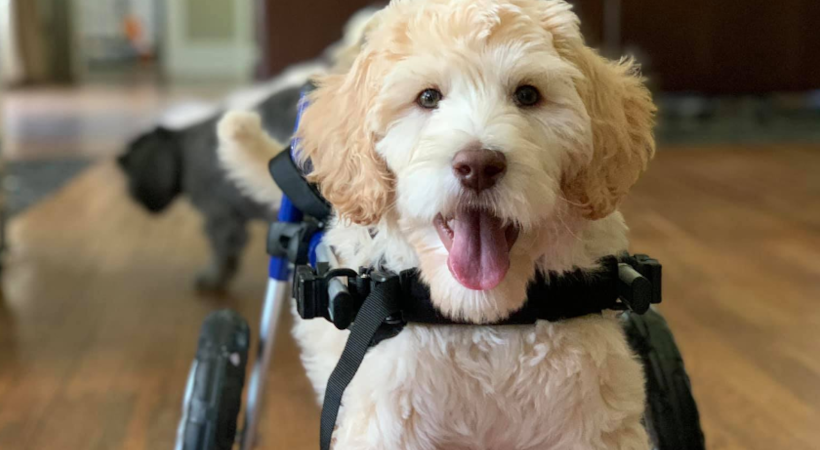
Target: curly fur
(622,114)
(353,177)
(385,165)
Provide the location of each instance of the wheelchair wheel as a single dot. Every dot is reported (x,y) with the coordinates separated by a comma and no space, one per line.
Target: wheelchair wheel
(671,417)
(213,395)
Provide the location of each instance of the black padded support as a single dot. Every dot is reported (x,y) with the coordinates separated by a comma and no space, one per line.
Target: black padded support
(300,192)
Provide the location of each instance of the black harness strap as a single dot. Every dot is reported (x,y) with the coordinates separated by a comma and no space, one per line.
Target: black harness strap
(396,300)
(550,297)
(304,195)
(392,301)
(377,307)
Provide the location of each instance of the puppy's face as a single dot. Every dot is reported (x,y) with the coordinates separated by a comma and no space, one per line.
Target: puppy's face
(476,127)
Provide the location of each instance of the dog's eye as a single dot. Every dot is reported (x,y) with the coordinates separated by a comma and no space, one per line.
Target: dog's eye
(429,98)
(527,96)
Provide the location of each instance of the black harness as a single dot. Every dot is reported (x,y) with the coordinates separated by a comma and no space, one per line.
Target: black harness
(376,305)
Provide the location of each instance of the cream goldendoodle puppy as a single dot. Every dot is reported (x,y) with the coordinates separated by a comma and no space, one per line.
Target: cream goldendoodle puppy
(480,141)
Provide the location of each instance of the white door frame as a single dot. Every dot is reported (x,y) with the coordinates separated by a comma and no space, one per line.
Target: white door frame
(9,58)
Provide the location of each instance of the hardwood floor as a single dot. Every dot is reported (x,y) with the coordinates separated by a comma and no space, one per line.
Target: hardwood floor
(738,232)
(98,321)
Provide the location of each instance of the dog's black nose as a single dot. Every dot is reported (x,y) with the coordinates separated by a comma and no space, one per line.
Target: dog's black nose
(479,170)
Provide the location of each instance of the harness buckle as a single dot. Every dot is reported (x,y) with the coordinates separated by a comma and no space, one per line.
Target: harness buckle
(639,282)
(310,292)
(320,293)
(652,269)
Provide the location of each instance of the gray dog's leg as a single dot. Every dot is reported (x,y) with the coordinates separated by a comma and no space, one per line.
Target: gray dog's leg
(228,235)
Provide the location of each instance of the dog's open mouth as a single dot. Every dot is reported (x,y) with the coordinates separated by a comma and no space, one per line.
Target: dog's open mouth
(479,246)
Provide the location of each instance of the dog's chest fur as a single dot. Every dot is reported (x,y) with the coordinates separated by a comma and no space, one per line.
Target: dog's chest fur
(566,385)
(436,387)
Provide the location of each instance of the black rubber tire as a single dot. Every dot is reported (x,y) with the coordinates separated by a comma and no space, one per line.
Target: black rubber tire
(213,397)
(671,417)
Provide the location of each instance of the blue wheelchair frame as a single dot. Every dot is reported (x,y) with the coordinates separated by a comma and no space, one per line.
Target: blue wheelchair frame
(277,295)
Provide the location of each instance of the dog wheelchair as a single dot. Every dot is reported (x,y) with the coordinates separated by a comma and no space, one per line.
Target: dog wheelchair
(376,305)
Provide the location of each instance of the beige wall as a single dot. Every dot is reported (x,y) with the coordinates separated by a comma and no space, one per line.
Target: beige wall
(212,20)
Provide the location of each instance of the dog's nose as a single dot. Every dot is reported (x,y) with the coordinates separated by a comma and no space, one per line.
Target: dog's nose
(479,170)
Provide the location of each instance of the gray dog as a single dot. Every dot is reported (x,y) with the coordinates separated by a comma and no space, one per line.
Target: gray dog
(164,163)
(168,161)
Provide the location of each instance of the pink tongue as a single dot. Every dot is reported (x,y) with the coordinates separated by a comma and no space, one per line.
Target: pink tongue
(480,256)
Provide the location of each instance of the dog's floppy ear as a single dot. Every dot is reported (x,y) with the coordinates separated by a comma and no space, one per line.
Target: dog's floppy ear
(154,167)
(622,116)
(335,135)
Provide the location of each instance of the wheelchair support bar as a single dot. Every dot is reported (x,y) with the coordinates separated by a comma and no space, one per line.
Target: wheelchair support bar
(291,240)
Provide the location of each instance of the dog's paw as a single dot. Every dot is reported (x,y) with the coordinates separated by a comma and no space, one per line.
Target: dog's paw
(240,126)
(211,282)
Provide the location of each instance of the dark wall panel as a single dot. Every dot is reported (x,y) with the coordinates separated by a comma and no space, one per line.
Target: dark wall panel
(727,46)
(297,30)
(710,46)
